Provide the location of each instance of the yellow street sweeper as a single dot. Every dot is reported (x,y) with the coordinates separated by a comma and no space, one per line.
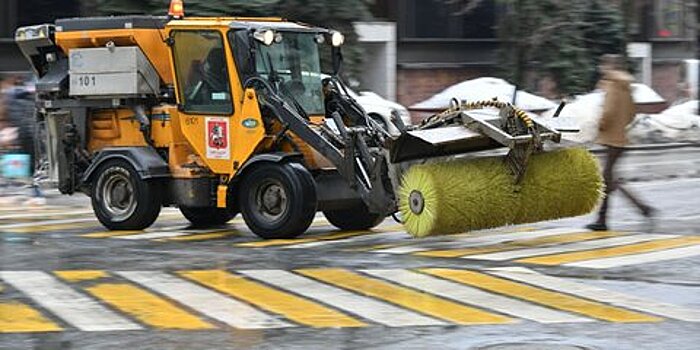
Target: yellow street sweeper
(225,115)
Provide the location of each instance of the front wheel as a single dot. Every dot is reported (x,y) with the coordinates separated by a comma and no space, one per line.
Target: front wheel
(121,200)
(278,200)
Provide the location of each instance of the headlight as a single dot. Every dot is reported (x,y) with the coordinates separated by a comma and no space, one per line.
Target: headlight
(337,38)
(265,36)
(21,34)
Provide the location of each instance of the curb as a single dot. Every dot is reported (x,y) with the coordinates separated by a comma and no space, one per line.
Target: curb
(649,147)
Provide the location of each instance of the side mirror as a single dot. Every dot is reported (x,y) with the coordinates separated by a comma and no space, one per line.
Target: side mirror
(337,59)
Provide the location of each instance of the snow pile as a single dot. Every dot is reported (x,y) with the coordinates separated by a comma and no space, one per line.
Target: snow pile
(585,110)
(686,108)
(643,94)
(679,123)
(485,89)
(583,113)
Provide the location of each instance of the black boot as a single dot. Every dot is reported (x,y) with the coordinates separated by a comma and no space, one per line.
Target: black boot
(597,226)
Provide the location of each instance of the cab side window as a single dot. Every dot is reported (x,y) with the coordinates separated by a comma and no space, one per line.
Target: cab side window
(202,76)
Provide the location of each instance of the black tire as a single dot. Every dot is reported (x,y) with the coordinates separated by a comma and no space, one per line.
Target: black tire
(207,216)
(357,217)
(123,201)
(277,200)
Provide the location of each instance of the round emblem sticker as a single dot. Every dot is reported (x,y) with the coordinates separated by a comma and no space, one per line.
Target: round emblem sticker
(250,123)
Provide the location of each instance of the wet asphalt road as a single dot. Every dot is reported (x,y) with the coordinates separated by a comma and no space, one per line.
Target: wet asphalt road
(65,283)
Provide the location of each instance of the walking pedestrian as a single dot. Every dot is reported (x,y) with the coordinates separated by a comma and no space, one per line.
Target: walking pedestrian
(618,112)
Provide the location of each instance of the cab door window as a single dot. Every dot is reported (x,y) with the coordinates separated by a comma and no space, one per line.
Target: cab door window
(202,76)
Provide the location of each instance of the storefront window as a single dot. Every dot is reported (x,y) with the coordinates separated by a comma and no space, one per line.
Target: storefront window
(437,19)
(670,18)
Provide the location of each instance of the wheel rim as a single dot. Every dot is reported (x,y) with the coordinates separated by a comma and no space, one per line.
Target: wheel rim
(118,196)
(416,202)
(271,201)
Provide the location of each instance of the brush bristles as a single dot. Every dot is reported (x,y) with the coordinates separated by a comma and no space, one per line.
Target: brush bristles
(461,196)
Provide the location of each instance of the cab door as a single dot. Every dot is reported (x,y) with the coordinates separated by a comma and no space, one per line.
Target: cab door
(210,111)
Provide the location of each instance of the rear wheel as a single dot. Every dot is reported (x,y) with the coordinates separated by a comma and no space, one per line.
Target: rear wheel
(357,217)
(208,216)
(123,201)
(278,200)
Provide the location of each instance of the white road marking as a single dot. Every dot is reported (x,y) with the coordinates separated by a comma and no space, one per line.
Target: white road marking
(564,248)
(45,214)
(599,294)
(356,239)
(47,222)
(366,307)
(205,301)
(73,307)
(669,254)
(480,240)
(476,297)
(663,183)
(60,221)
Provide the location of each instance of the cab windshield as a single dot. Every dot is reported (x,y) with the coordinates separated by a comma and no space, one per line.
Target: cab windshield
(295,67)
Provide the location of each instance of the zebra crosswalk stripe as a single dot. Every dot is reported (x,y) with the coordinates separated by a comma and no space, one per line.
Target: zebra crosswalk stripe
(153,235)
(570,247)
(286,242)
(368,308)
(643,258)
(20,318)
(519,244)
(632,302)
(209,303)
(295,308)
(355,239)
(421,302)
(73,307)
(146,306)
(640,247)
(43,214)
(470,295)
(479,240)
(541,296)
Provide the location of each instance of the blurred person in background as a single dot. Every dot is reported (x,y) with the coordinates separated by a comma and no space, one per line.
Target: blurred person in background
(8,132)
(618,112)
(17,125)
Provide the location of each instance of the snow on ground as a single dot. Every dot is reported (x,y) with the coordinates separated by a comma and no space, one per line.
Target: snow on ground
(485,89)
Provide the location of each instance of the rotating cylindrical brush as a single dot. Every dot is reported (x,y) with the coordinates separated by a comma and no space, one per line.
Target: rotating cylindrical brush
(465,195)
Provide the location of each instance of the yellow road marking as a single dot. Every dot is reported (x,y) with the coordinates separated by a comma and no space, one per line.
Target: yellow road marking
(421,302)
(373,247)
(564,238)
(146,307)
(18,317)
(201,236)
(80,275)
(322,237)
(76,225)
(315,238)
(107,234)
(564,258)
(293,307)
(541,296)
(46,228)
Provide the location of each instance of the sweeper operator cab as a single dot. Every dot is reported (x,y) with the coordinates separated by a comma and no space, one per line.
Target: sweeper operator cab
(225,115)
